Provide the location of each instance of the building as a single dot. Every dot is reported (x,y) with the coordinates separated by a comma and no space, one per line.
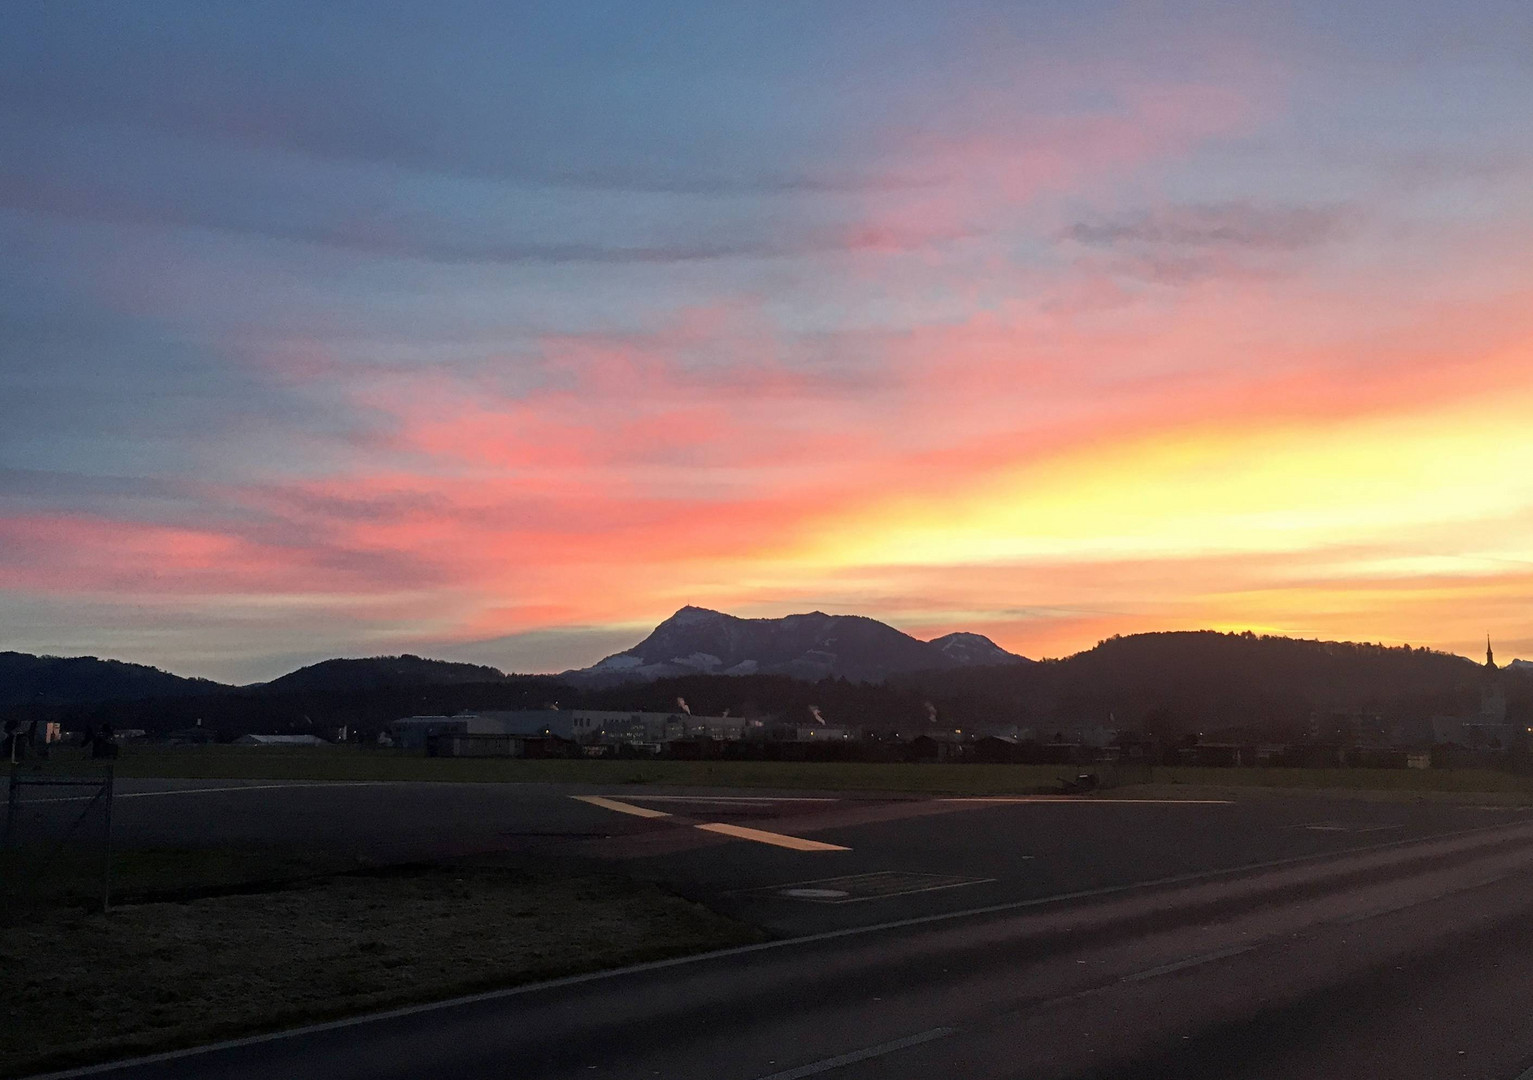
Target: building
(280,740)
(996,749)
(1492,690)
(455,744)
(192,736)
(822,733)
(413,732)
(721,728)
(1488,729)
(532,722)
(589,727)
(1095,736)
(611,726)
(654,729)
(939,747)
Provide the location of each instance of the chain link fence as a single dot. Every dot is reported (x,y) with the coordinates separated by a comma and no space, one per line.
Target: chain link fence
(56,841)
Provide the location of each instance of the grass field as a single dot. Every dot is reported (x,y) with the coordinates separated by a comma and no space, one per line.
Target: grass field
(352,763)
(1407,780)
(78,987)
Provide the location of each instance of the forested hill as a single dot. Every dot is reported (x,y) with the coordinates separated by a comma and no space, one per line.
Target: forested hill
(1166,684)
(69,680)
(1187,681)
(379,673)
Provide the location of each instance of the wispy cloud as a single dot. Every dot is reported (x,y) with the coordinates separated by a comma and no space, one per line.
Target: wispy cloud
(1222,225)
(500,332)
(418,235)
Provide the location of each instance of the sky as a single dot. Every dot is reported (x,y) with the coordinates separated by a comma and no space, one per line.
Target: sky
(498,332)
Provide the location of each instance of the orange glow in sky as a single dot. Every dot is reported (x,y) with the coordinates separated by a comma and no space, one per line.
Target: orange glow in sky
(1049,333)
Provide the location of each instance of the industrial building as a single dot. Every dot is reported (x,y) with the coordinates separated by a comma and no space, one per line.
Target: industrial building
(280,740)
(508,733)
(414,732)
(655,729)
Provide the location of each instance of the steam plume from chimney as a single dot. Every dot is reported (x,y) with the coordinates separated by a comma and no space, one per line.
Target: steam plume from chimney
(681,703)
(814,711)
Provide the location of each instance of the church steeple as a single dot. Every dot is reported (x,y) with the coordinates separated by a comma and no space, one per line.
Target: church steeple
(1492,693)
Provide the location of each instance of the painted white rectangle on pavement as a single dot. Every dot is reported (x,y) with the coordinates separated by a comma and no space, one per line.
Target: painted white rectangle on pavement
(761,836)
(620,807)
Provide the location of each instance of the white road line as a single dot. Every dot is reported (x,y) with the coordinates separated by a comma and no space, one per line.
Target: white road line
(810,882)
(761,836)
(1468,886)
(1191,961)
(924,888)
(620,807)
(1378,913)
(854,879)
(846,884)
(739,832)
(730,798)
(333,784)
(862,1055)
(739,804)
(1080,799)
(747,950)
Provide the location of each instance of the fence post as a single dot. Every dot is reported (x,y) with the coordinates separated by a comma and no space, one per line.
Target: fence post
(11,788)
(106,844)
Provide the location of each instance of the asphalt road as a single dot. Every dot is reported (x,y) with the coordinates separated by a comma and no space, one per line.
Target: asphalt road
(1409,956)
(909,855)
(1284,936)
(903,857)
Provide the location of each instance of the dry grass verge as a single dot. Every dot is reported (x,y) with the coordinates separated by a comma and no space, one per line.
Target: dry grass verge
(78,987)
(368,763)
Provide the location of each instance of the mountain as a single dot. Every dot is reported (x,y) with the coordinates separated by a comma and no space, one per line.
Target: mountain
(378,673)
(81,680)
(1203,681)
(364,694)
(1168,683)
(972,650)
(697,641)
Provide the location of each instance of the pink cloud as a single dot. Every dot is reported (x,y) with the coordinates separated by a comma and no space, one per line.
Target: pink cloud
(641,472)
(603,477)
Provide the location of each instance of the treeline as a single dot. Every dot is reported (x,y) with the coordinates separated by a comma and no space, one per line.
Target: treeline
(369,709)
(1170,684)
(1180,682)
(243,710)
(26,679)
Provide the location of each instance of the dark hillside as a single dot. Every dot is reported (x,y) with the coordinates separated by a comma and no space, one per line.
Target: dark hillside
(840,701)
(1183,682)
(378,673)
(364,711)
(57,680)
(1166,684)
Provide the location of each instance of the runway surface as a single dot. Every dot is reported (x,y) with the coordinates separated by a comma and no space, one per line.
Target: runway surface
(911,855)
(1265,937)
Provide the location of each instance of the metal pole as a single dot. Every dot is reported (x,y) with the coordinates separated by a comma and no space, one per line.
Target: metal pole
(106,858)
(12,882)
(11,803)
